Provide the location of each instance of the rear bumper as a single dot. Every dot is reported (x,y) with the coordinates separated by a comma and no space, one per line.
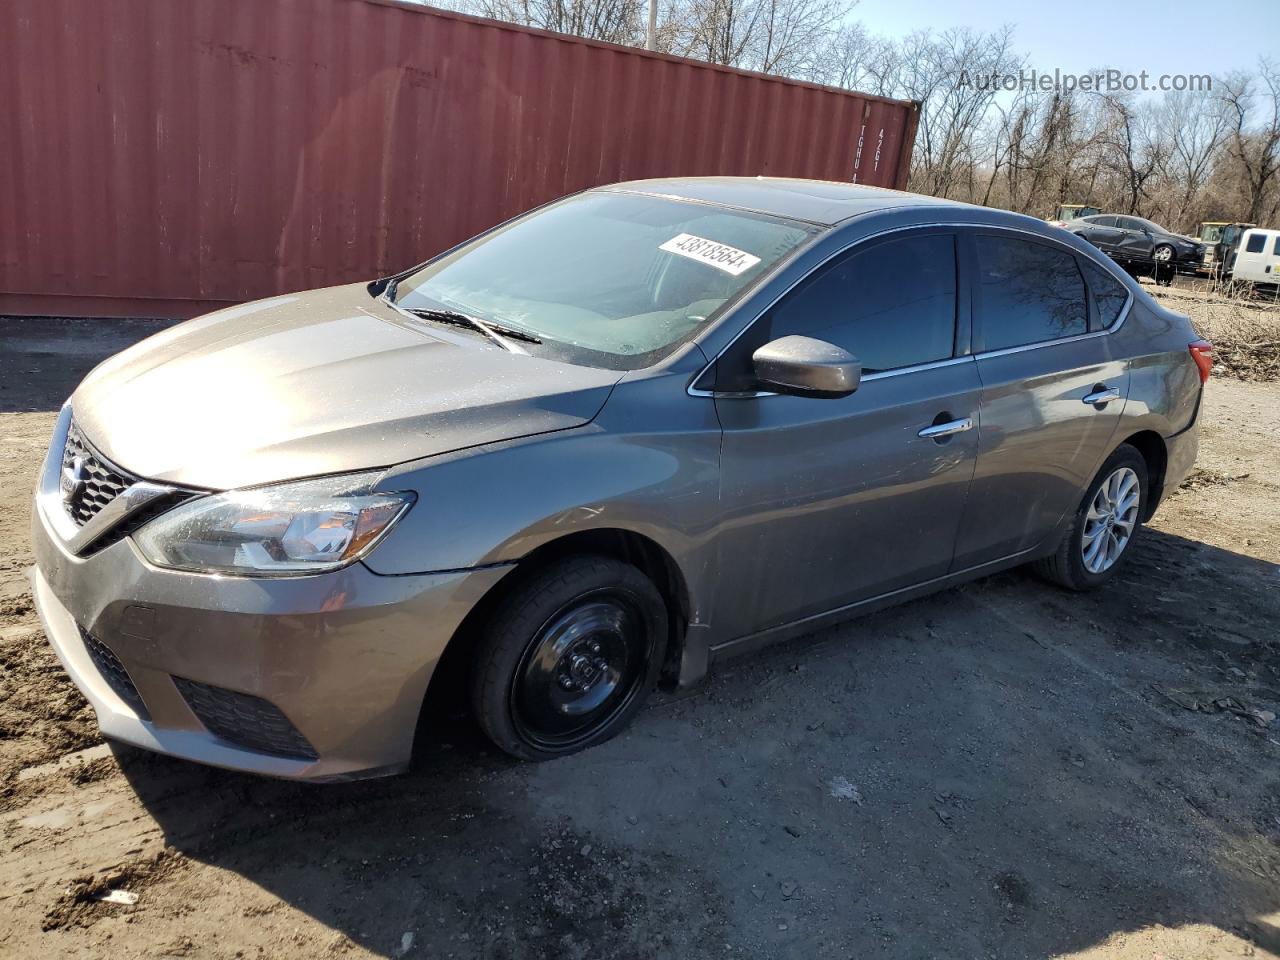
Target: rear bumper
(1180,452)
(344,657)
(1180,455)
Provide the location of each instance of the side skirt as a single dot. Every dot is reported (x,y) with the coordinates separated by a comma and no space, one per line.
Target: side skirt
(696,661)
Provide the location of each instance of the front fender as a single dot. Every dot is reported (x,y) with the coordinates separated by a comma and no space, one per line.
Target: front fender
(497,503)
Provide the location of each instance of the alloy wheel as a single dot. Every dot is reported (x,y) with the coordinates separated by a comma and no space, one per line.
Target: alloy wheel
(1110,520)
(1163,254)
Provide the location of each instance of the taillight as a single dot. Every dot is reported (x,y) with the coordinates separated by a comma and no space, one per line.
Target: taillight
(1202,354)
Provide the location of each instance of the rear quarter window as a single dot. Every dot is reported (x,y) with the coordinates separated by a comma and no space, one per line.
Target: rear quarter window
(1109,295)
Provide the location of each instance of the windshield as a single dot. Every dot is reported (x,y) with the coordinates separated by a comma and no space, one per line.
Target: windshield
(1211,234)
(608,279)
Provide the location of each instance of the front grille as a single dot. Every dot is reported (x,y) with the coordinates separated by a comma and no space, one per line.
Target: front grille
(114,673)
(245,720)
(90,481)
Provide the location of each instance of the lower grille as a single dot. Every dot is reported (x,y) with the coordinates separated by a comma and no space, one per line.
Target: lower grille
(245,720)
(114,673)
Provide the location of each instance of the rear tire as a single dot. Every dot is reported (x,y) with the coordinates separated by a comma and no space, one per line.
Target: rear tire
(1094,547)
(568,657)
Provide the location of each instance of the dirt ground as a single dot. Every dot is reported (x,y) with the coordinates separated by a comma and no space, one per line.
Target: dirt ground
(1001,770)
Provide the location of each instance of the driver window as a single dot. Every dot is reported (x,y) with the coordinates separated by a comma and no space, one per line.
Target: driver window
(891,305)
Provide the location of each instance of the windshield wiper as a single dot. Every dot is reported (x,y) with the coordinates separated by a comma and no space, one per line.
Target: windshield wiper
(498,333)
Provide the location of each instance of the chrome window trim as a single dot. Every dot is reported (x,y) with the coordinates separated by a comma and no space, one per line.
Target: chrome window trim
(727,394)
(1005,351)
(1107,266)
(878,375)
(917,367)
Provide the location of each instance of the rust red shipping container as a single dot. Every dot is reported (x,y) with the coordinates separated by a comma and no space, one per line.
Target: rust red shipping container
(162,159)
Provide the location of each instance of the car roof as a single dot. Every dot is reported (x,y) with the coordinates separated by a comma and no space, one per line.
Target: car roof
(824,202)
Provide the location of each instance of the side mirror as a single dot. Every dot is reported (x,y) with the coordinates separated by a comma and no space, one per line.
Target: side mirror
(806,367)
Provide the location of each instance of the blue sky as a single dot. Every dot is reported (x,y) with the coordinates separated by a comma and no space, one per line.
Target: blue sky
(1174,36)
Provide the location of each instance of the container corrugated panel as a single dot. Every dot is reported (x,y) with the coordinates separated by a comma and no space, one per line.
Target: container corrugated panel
(163,158)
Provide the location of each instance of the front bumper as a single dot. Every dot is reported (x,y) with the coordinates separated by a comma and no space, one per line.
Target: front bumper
(345,657)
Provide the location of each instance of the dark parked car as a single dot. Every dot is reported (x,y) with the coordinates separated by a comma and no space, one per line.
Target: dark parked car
(615,440)
(1126,238)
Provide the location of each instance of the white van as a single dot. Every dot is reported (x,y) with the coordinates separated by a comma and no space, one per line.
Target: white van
(1258,256)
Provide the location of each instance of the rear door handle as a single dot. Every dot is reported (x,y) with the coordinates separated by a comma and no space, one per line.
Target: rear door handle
(946,429)
(1102,397)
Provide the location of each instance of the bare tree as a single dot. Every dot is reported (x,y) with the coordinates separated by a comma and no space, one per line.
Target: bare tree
(1194,127)
(774,36)
(846,59)
(1135,151)
(1254,140)
(939,72)
(1041,147)
(617,21)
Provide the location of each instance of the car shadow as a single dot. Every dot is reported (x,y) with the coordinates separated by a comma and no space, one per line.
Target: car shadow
(993,771)
(45,358)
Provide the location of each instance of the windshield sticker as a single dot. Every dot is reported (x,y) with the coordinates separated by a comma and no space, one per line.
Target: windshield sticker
(729,259)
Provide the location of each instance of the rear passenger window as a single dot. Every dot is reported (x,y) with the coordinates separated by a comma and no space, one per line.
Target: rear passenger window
(1027,293)
(1255,243)
(1276,249)
(890,305)
(1109,294)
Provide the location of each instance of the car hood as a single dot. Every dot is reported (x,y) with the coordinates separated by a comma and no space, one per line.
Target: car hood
(320,382)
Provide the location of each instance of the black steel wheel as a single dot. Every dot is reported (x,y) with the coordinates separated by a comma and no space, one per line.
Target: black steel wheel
(568,657)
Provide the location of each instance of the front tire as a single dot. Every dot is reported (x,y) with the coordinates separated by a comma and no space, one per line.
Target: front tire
(568,657)
(1163,253)
(1106,523)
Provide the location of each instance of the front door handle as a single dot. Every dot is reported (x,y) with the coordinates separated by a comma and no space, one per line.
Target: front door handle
(1101,396)
(939,430)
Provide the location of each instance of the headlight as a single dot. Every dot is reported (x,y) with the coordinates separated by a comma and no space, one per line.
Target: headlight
(285,530)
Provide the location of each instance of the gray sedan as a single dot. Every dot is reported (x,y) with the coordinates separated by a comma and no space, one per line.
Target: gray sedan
(598,448)
(1136,239)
